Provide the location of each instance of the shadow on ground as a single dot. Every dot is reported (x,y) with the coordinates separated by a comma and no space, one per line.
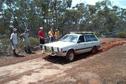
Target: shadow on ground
(63,60)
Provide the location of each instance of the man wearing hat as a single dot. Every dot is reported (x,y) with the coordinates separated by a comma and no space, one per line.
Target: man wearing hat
(41,35)
(14,41)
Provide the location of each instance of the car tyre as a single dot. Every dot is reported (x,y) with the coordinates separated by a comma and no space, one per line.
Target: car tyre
(70,56)
(94,50)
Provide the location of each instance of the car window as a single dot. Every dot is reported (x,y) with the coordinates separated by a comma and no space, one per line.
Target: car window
(81,39)
(90,38)
(69,38)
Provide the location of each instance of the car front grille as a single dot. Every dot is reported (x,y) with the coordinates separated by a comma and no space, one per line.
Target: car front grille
(48,49)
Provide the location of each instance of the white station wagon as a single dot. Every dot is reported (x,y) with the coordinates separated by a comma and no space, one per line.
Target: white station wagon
(72,44)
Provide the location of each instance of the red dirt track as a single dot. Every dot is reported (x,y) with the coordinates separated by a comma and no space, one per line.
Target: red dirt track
(105,67)
(106,44)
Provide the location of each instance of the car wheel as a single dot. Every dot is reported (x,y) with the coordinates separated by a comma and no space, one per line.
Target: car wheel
(70,56)
(94,50)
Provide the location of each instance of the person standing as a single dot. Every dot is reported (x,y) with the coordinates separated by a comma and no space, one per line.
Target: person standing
(14,41)
(51,35)
(41,35)
(26,40)
(57,34)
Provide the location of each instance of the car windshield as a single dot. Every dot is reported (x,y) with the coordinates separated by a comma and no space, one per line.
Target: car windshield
(69,38)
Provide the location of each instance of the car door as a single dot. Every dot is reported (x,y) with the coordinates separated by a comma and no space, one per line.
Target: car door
(91,41)
(81,46)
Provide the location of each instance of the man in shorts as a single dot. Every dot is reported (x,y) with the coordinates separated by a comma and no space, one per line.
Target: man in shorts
(41,35)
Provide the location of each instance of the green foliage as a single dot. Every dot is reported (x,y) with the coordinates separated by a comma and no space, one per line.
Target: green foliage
(122,34)
(102,16)
(4,44)
(34,41)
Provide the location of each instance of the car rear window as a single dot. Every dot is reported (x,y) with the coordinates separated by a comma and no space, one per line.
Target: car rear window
(90,37)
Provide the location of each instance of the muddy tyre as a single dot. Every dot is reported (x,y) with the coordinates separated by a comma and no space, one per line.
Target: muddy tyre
(94,50)
(70,56)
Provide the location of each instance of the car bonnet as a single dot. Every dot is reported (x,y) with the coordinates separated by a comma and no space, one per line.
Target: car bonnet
(59,44)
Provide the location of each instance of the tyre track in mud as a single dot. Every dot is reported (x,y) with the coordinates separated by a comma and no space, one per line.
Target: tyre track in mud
(109,71)
(38,69)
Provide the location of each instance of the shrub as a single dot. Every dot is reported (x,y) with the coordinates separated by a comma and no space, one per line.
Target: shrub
(4,46)
(4,43)
(34,41)
(122,34)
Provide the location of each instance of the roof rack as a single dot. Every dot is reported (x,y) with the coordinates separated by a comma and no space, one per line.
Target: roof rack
(82,32)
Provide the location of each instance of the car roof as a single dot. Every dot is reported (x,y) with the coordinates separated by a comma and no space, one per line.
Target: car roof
(74,34)
(81,33)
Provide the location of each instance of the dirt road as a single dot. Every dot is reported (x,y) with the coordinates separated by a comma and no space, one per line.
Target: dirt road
(108,67)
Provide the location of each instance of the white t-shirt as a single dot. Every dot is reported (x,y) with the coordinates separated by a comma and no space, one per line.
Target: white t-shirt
(13,37)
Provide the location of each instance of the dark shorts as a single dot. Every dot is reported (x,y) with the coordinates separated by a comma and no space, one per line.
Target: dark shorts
(42,41)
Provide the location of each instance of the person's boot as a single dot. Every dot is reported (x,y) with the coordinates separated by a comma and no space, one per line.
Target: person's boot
(14,53)
(26,50)
(41,46)
(29,50)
